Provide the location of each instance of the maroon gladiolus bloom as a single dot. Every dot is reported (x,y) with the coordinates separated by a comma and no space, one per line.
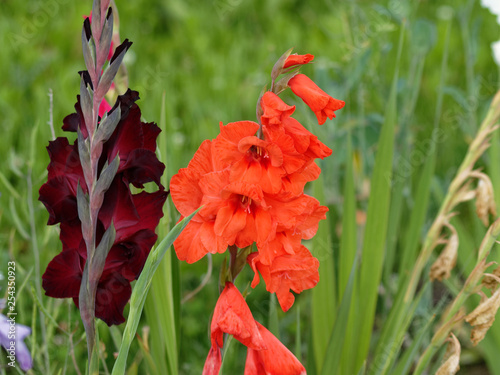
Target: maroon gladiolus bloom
(134,216)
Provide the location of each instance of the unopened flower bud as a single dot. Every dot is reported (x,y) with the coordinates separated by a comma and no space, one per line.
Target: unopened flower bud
(278,67)
(451,358)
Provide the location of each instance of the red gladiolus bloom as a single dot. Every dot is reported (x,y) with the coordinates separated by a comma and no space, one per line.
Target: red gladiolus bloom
(238,179)
(322,104)
(275,110)
(198,238)
(257,161)
(295,59)
(297,271)
(134,216)
(276,359)
(276,120)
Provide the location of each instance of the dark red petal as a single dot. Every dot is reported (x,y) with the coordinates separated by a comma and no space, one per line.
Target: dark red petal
(71,237)
(129,255)
(128,135)
(63,275)
(113,293)
(64,159)
(126,101)
(150,131)
(150,208)
(118,206)
(140,167)
(59,198)
(72,122)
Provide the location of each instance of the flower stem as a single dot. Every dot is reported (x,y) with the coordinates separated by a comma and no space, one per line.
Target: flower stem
(452,315)
(91,275)
(476,149)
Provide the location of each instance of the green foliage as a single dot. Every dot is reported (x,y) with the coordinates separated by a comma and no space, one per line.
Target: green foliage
(198,63)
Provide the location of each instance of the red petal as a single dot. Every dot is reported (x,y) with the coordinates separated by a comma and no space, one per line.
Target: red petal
(232,316)
(276,359)
(229,222)
(212,242)
(129,254)
(320,102)
(213,362)
(185,191)
(274,109)
(189,246)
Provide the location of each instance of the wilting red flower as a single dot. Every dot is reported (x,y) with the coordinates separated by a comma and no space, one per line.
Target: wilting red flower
(275,359)
(322,104)
(134,216)
(231,315)
(266,355)
(295,59)
(296,271)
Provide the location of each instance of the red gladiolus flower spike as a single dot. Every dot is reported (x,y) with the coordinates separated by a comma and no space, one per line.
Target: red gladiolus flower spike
(249,182)
(322,104)
(134,216)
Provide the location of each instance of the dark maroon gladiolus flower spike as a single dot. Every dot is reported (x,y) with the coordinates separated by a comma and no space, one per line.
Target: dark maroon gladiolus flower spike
(134,216)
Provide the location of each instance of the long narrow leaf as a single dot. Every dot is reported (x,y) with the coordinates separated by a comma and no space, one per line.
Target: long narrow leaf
(376,223)
(323,295)
(347,256)
(410,354)
(140,292)
(347,252)
(334,350)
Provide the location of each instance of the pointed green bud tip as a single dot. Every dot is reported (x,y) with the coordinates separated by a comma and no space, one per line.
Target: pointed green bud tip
(278,67)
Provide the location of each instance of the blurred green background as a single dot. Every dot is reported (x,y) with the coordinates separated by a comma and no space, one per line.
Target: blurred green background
(209,60)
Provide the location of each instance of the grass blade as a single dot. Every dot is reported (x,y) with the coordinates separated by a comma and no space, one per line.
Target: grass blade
(334,350)
(409,355)
(140,292)
(323,295)
(347,256)
(376,223)
(347,252)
